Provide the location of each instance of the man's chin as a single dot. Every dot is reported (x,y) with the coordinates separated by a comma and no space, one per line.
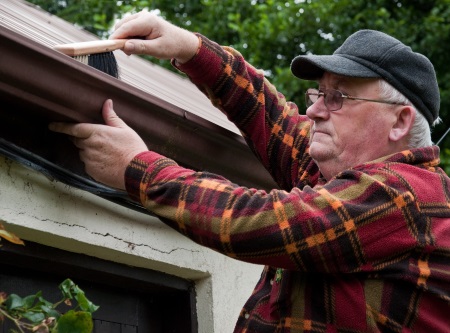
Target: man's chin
(320,152)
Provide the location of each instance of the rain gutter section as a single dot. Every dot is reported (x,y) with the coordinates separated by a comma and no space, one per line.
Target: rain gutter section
(39,85)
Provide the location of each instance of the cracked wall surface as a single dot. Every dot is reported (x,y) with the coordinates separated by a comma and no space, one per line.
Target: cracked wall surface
(51,213)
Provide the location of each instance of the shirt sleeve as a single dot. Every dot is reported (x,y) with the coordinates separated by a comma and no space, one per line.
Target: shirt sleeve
(339,227)
(274,130)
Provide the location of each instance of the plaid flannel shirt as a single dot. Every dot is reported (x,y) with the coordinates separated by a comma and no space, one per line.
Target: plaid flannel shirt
(366,251)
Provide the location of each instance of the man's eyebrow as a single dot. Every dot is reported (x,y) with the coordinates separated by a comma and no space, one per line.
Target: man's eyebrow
(335,82)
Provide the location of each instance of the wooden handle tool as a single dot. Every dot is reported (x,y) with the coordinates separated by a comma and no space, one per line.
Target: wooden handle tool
(91,47)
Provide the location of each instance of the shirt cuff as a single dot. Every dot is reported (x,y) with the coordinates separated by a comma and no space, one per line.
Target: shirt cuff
(140,172)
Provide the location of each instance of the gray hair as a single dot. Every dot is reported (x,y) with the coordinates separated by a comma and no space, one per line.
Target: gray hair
(420,133)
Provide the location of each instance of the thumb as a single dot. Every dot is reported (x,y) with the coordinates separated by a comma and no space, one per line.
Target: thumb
(109,115)
(141,46)
(129,47)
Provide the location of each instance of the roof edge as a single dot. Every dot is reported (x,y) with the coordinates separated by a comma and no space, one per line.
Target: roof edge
(42,85)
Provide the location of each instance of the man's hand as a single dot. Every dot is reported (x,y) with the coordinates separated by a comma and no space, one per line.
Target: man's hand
(158,38)
(106,150)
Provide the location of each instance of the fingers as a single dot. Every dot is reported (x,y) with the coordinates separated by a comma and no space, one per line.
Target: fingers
(81,131)
(142,25)
(110,116)
(125,20)
(158,37)
(149,28)
(151,47)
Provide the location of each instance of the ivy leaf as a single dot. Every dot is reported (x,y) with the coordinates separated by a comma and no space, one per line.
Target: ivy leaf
(49,311)
(9,236)
(75,322)
(71,290)
(34,317)
(43,301)
(29,301)
(84,303)
(13,302)
(66,288)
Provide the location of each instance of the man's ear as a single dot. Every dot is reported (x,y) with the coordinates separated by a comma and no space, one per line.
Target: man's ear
(405,120)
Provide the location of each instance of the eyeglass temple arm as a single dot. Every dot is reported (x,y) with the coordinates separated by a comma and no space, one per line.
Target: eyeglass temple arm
(372,100)
(442,137)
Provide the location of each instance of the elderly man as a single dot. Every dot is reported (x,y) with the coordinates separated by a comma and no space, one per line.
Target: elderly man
(358,237)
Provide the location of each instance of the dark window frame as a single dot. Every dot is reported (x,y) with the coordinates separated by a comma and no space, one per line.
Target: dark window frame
(175,310)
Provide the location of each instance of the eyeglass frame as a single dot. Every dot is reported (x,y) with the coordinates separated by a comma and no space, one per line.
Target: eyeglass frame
(318,93)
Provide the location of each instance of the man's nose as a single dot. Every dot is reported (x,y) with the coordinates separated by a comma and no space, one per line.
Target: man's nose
(318,110)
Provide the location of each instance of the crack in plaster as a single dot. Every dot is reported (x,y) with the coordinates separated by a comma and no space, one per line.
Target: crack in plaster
(130,245)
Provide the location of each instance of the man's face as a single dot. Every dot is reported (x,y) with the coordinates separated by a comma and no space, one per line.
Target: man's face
(355,134)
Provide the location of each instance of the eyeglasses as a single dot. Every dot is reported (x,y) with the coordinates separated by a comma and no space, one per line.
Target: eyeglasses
(334,98)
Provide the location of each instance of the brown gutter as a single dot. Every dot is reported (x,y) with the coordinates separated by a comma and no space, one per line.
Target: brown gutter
(39,85)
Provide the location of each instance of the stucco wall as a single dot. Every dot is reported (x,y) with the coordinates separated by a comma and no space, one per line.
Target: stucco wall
(54,214)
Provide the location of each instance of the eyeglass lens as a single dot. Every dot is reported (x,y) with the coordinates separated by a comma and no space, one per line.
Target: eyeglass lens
(333,98)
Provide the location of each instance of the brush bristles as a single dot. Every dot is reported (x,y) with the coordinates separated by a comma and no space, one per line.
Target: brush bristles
(105,62)
(84,59)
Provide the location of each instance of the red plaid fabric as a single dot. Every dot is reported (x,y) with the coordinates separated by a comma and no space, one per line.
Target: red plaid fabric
(366,251)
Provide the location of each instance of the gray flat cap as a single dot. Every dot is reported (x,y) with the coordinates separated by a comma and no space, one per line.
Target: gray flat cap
(374,54)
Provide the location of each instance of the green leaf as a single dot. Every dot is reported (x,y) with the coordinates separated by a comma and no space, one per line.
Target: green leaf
(84,303)
(29,301)
(75,322)
(71,290)
(44,302)
(13,302)
(34,317)
(49,311)
(66,288)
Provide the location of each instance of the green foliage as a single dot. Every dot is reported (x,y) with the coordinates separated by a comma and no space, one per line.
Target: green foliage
(34,313)
(75,321)
(71,291)
(445,160)
(270,33)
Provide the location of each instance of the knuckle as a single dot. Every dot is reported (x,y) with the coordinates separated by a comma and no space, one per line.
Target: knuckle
(142,47)
(76,130)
